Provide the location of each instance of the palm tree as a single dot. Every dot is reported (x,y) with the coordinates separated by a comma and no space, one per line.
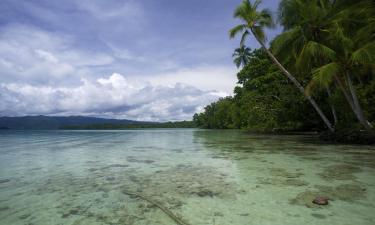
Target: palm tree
(254,23)
(241,56)
(302,20)
(318,33)
(342,64)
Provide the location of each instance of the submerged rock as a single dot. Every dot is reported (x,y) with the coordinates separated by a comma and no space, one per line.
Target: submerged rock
(319,216)
(4,208)
(25,216)
(4,181)
(205,193)
(340,172)
(305,198)
(114,166)
(135,160)
(344,192)
(281,172)
(320,200)
(281,182)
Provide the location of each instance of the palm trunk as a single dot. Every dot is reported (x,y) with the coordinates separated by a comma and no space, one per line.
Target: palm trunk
(360,114)
(350,99)
(346,94)
(297,84)
(333,110)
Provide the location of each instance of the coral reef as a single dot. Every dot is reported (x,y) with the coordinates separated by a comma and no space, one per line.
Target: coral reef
(344,192)
(339,172)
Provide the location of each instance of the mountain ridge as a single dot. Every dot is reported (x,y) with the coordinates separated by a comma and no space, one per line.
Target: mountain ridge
(57,122)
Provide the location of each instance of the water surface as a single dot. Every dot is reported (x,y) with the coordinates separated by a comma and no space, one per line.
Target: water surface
(203,176)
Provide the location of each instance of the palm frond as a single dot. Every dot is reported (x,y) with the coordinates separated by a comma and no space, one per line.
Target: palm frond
(339,37)
(243,38)
(284,41)
(265,19)
(259,33)
(311,86)
(324,74)
(314,50)
(256,4)
(237,62)
(365,33)
(235,30)
(364,55)
(243,11)
(287,15)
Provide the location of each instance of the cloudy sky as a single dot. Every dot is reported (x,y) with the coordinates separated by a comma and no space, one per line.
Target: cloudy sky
(153,60)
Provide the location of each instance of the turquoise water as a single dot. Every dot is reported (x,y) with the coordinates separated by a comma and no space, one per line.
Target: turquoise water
(202,176)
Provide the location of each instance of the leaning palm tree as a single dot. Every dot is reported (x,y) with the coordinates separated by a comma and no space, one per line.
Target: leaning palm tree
(342,64)
(241,56)
(254,22)
(320,37)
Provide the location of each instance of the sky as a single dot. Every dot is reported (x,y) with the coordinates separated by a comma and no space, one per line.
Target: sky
(149,60)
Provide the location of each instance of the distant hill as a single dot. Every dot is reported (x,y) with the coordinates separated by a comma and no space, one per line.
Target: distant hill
(178,124)
(52,122)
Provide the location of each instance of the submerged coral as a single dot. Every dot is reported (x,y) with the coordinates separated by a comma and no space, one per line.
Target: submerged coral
(186,180)
(340,172)
(281,172)
(343,192)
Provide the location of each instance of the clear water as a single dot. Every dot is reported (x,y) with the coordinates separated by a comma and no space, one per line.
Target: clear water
(203,176)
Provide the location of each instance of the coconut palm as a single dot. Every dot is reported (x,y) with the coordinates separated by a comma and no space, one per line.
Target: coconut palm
(343,64)
(303,20)
(241,56)
(253,23)
(318,33)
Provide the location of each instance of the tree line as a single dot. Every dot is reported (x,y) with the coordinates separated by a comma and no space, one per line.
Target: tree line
(317,74)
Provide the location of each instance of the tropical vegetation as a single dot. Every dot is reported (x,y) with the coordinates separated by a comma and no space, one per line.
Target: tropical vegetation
(317,74)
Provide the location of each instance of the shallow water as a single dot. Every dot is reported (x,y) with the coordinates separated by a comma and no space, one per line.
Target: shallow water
(203,176)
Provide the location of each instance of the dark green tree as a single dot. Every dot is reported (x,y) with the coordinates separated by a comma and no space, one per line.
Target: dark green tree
(332,41)
(254,22)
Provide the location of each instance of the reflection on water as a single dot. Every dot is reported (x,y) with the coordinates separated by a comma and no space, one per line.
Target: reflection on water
(202,176)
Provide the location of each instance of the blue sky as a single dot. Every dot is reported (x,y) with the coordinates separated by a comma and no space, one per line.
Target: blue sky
(146,60)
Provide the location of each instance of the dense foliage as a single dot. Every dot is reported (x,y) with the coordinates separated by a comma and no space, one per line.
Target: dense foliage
(265,100)
(318,73)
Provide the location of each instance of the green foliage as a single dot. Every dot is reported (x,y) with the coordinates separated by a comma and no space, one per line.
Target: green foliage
(241,56)
(253,21)
(264,101)
(326,44)
(331,42)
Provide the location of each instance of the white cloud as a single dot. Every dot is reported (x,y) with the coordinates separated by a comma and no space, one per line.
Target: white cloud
(205,77)
(114,97)
(43,72)
(35,56)
(107,10)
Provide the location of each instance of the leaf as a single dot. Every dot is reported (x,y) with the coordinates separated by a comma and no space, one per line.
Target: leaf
(259,33)
(314,50)
(265,19)
(234,31)
(364,55)
(324,75)
(282,44)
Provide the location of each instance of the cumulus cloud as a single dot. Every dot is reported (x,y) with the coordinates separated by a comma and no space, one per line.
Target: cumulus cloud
(204,77)
(35,56)
(50,73)
(114,97)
